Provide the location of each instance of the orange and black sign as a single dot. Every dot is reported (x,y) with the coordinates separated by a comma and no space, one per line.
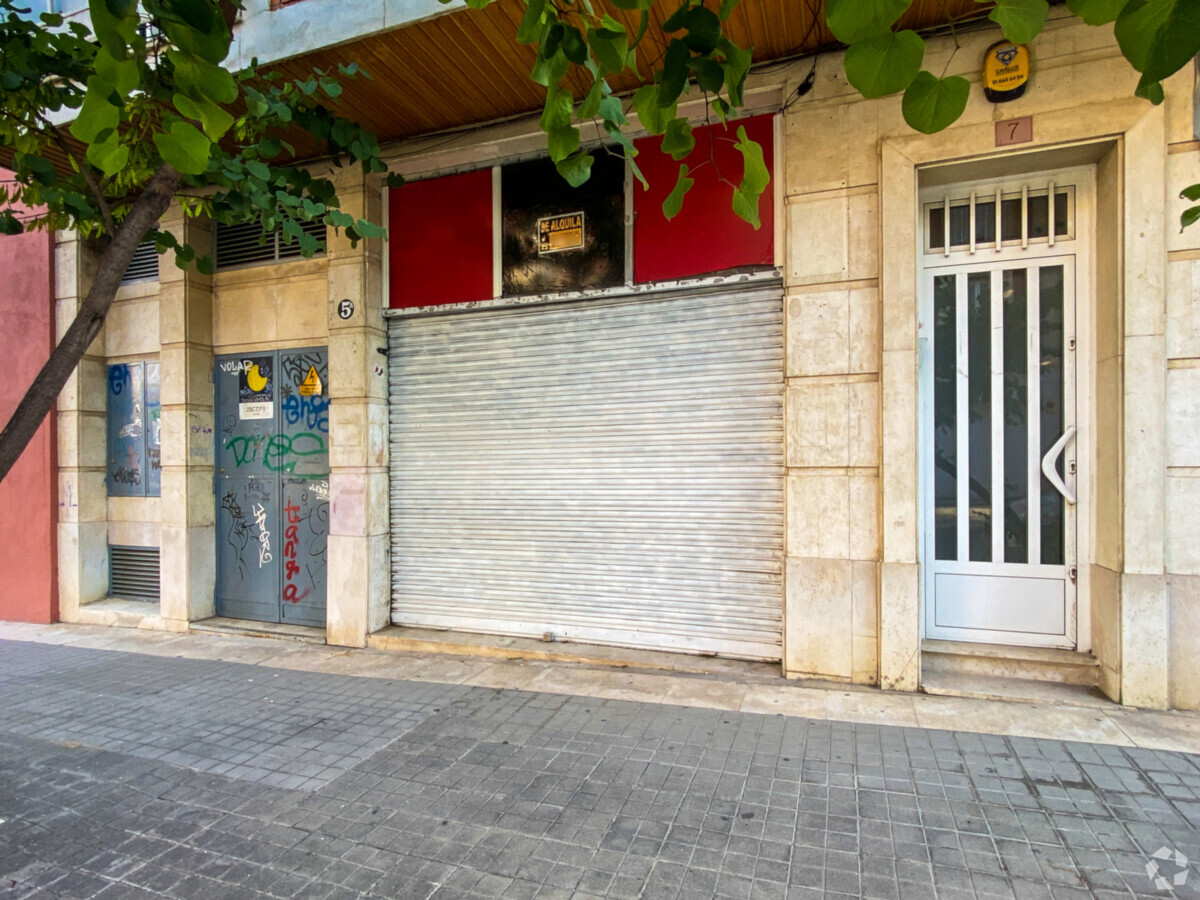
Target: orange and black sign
(562,232)
(1006,68)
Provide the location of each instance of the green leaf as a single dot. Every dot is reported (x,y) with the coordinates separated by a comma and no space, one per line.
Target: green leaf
(258,170)
(654,118)
(1138,26)
(9,223)
(1191,192)
(704,29)
(1149,89)
(611,111)
(709,74)
(674,202)
(854,20)
(1020,20)
(204,265)
(214,120)
(737,67)
(547,72)
(395,180)
(531,22)
(727,8)
(331,88)
(1177,41)
(97,114)
(674,72)
(629,5)
(200,78)
(198,28)
(608,22)
(557,112)
(1190,216)
(576,168)
(1097,12)
(109,156)
(931,103)
(676,20)
(591,103)
(552,34)
(574,47)
(115,32)
(884,64)
(184,147)
(609,48)
(123,75)
(562,142)
(755,179)
(678,140)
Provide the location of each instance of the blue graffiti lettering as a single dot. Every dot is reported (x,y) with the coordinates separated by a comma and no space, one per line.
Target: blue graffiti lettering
(311,411)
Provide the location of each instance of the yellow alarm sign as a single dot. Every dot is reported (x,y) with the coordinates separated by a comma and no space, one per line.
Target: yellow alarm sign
(1005,71)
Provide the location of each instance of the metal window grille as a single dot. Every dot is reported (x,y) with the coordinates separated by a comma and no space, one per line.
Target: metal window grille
(997,219)
(143,266)
(133,573)
(245,244)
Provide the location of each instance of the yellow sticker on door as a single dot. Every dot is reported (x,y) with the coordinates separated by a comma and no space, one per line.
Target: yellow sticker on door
(311,384)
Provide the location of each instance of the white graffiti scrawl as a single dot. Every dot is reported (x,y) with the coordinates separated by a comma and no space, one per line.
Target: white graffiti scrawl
(264,536)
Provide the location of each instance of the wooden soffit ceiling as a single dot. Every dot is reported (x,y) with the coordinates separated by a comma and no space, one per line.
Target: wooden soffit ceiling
(465,67)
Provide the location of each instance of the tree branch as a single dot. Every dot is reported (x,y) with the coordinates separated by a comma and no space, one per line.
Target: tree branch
(143,214)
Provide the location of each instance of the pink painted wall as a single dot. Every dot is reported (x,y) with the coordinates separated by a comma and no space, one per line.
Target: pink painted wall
(28,520)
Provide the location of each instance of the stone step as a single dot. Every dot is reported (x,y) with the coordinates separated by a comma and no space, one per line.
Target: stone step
(1005,661)
(1020,690)
(306,634)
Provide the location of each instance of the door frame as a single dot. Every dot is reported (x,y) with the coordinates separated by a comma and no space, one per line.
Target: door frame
(1080,246)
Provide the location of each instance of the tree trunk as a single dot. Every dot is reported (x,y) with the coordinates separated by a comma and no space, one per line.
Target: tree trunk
(143,215)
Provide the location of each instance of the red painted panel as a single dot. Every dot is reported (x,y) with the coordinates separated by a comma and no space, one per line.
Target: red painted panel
(28,520)
(706,236)
(440,240)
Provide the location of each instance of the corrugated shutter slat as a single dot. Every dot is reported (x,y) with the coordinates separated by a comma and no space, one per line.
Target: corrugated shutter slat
(606,471)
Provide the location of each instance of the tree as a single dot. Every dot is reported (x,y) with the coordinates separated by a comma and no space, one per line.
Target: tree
(156,117)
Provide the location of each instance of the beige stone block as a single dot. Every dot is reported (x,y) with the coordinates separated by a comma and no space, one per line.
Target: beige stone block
(1184,628)
(817,146)
(1183,525)
(133,534)
(899,626)
(131,329)
(1183,417)
(87,388)
(1106,480)
(82,566)
(818,515)
(898,469)
(188,557)
(1183,170)
(133,509)
(818,233)
(172,314)
(833,332)
(201,437)
(186,376)
(82,440)
(359,503)
(819,609)
(348,434)
(358,596)
(1183,308)
(898,257)
(865,589)
(301,313)
(66,271)
(818,427)
(377,433)
(82,495)
(1106,628)
(864,517)
(1146,232)
(1181,92)
(356,368)
(245,314)
(866,660)
(863,425)
(1144,408)
(1145,641)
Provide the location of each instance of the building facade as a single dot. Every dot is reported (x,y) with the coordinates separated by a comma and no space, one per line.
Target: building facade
(938,410)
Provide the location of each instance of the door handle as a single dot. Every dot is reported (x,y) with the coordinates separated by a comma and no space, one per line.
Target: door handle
(1050,461)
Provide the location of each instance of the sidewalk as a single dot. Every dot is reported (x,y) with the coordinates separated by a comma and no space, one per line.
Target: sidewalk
(140,765)
(741,687)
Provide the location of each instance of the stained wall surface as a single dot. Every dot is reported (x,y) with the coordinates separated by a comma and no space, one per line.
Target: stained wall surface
(28,590)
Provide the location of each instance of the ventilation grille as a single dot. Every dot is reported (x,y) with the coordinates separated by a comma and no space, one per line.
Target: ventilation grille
(133,573)
(245,244)
(144,265)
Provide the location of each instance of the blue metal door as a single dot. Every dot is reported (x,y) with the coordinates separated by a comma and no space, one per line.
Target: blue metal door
(272,485)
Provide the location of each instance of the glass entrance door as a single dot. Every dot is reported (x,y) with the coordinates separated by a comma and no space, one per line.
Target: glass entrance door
(999,452)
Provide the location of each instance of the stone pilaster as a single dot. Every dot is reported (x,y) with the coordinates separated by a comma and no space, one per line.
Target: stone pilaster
(82,497)
(358,598)
(188,508)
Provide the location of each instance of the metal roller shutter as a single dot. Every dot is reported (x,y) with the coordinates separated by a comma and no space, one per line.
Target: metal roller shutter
(607,471)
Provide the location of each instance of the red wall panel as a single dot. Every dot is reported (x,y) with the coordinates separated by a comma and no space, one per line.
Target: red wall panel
(440,240)
(28,510)
(706,236)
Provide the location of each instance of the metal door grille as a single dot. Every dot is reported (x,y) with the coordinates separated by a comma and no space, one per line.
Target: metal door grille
(605,471)
(245,244)
(133,573)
